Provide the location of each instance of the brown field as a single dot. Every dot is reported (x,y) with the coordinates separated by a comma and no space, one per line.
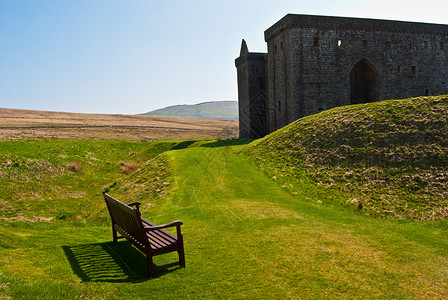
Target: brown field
(20,124)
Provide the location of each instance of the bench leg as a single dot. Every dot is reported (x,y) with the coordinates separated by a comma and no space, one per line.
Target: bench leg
(181,252)
(150,265)
(114,234)
(181,258)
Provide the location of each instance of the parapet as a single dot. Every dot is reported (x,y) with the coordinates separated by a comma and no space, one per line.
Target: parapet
(343,23)
(245,55)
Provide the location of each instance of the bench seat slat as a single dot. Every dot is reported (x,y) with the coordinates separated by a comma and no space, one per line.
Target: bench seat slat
(158,239)
(157,243)
(162,236)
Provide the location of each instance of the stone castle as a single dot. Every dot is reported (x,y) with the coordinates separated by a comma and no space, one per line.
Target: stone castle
(315,63)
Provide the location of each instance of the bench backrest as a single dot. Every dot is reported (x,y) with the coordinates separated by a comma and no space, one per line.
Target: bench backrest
(127,221)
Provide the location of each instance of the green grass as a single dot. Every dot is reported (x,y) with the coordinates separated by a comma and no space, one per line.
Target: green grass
(262,220)
(389,157)
(39,180)
(246,235)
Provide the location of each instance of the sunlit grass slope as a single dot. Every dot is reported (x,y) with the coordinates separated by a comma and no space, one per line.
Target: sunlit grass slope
(59,179)
(390,157)
(246,235)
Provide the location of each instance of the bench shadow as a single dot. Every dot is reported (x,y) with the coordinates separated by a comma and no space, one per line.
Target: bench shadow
(108,262)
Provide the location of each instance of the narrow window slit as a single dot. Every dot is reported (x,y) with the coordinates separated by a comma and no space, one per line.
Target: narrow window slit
(365,44)
(388,45)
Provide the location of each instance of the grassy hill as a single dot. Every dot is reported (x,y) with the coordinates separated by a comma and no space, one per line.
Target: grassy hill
(225,110)
(246,235)
(390,157)
(252,227)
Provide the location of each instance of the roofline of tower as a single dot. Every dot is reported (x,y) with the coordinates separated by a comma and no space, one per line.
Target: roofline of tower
(344,23)
(251,56)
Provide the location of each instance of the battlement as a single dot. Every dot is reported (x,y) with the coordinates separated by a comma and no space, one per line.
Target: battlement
(343,23)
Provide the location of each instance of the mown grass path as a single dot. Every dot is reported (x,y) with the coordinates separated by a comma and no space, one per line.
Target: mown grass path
(245,237)
(261,240)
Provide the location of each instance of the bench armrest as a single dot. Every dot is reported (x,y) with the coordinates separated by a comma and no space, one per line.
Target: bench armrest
(171,224)
(134,203)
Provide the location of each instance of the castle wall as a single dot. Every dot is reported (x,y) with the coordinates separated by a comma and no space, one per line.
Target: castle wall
(243,98)
(252,94)
(316,63)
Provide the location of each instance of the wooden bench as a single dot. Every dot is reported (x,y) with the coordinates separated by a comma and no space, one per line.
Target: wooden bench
(151,239)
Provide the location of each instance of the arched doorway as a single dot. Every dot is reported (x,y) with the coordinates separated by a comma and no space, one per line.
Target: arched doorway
(364,83)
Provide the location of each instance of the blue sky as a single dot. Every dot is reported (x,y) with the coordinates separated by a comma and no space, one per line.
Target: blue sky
(134,56)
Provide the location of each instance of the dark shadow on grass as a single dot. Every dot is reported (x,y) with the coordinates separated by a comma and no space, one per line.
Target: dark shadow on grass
(225,143)
(108,262)
(183,145)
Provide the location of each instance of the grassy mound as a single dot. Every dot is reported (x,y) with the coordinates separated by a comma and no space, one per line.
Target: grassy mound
(390,156)
(245,235)
(147,184)
(154,180)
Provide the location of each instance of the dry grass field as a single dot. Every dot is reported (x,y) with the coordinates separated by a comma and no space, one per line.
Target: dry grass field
(19,124)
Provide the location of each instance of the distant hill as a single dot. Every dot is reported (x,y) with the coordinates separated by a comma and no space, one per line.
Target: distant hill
(224,110)
(21,124)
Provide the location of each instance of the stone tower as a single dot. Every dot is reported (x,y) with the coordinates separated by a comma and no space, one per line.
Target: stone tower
(252,93)
(315,63)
